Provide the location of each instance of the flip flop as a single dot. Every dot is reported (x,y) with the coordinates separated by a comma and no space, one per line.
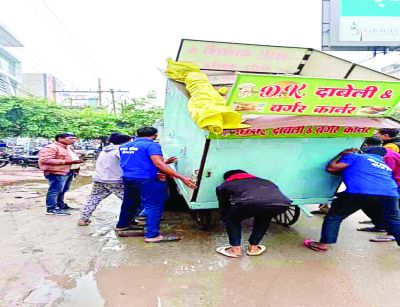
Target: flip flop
(262,250)
(365,222)
(371,229)
(311,245)
(318,212)
(383,239)
(165,238)
(129,233)
(223,251)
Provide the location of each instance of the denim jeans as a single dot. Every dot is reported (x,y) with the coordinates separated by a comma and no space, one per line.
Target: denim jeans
(152,194)
(376,214)
(262,218)
(58,186)
(347,204)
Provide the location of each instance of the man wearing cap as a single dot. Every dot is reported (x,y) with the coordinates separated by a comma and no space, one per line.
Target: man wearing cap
(59,164)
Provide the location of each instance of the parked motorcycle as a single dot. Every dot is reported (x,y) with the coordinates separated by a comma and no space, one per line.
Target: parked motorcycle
(21,160)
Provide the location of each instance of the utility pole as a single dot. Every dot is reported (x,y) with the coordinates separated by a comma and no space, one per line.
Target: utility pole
(99,91)
(113,101)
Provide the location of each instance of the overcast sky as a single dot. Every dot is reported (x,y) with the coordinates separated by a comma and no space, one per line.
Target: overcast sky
(125,41)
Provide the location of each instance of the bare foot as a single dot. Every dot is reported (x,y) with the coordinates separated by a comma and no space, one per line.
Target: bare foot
(254,248)
(235,250)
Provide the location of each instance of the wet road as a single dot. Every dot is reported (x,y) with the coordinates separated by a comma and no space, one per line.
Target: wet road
(49,261)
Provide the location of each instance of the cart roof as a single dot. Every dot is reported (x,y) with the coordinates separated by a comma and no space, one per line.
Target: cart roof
(220,60)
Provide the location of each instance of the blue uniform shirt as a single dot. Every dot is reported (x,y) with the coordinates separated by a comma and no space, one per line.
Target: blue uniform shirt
(135,159)
(368,174)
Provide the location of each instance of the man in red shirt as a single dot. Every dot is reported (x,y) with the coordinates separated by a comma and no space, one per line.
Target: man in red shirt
(392,159)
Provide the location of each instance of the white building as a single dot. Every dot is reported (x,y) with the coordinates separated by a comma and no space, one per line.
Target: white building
(10,67)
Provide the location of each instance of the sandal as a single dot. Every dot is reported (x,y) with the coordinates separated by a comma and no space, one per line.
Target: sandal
(165,238)
(82,222)
(129,233)
(223,251)
(262,250)
(311,244)
(383,239)
(371,229)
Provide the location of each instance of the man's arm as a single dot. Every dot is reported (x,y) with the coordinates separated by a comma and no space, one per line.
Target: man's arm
(48,156)
(164,168)
(334,166)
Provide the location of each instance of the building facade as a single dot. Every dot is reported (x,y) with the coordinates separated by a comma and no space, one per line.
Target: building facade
(10,67)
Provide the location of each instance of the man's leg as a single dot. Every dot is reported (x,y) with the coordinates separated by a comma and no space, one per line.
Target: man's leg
(262,219)
(99,192)
(153,196)
(341,208)
(67,185)
(117,189)
(391,217)
(131,201)
(375,213)
(232,219)
(56,186)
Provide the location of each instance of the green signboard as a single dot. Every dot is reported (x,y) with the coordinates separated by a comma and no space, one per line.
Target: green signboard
(289,95)
(296,132)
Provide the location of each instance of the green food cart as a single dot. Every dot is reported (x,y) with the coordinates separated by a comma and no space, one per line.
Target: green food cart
(302,107)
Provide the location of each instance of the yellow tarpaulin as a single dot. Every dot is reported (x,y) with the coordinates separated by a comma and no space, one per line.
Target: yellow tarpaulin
(206,106)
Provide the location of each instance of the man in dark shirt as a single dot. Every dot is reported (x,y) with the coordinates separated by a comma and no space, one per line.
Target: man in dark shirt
(368,183)
(243,196)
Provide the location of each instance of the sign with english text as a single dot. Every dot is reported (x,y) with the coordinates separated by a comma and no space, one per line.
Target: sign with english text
(292,95)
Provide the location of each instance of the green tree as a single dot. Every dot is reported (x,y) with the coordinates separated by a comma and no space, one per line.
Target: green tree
(32,117)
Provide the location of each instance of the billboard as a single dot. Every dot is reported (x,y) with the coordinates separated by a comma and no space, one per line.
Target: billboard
(360,24)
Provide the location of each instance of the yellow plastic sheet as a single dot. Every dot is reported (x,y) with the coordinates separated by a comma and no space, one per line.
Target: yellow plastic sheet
(179,70)
(206,106)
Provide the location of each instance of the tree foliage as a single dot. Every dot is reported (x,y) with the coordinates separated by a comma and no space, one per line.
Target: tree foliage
(31,117)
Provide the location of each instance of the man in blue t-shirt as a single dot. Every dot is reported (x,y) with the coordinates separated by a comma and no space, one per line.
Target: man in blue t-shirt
(142,161)
(368,183)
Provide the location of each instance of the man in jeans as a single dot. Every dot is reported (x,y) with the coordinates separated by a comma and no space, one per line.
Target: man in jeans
(369,183)
(59,164)
(243,196)
(141,160)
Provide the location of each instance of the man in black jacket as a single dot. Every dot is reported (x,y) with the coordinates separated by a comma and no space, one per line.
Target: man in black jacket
(243,196)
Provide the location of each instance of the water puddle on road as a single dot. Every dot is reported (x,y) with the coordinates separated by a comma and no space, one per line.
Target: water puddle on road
(62,290)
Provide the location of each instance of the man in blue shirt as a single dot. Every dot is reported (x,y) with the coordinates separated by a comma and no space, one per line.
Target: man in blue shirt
(368,183)
(141,161)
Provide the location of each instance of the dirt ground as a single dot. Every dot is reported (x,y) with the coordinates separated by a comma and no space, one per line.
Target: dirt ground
(50,261)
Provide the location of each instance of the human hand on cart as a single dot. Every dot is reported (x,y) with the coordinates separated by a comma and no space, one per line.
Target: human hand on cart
(161,177)
(189,182)
(171,160)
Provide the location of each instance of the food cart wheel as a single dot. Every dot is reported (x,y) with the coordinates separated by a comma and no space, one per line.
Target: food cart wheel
(203,219)
(289,217)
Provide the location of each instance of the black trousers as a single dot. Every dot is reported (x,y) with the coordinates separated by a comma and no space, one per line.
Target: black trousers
(262,218)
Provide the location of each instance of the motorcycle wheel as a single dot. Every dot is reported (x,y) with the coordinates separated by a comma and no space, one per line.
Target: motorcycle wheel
(3,163)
